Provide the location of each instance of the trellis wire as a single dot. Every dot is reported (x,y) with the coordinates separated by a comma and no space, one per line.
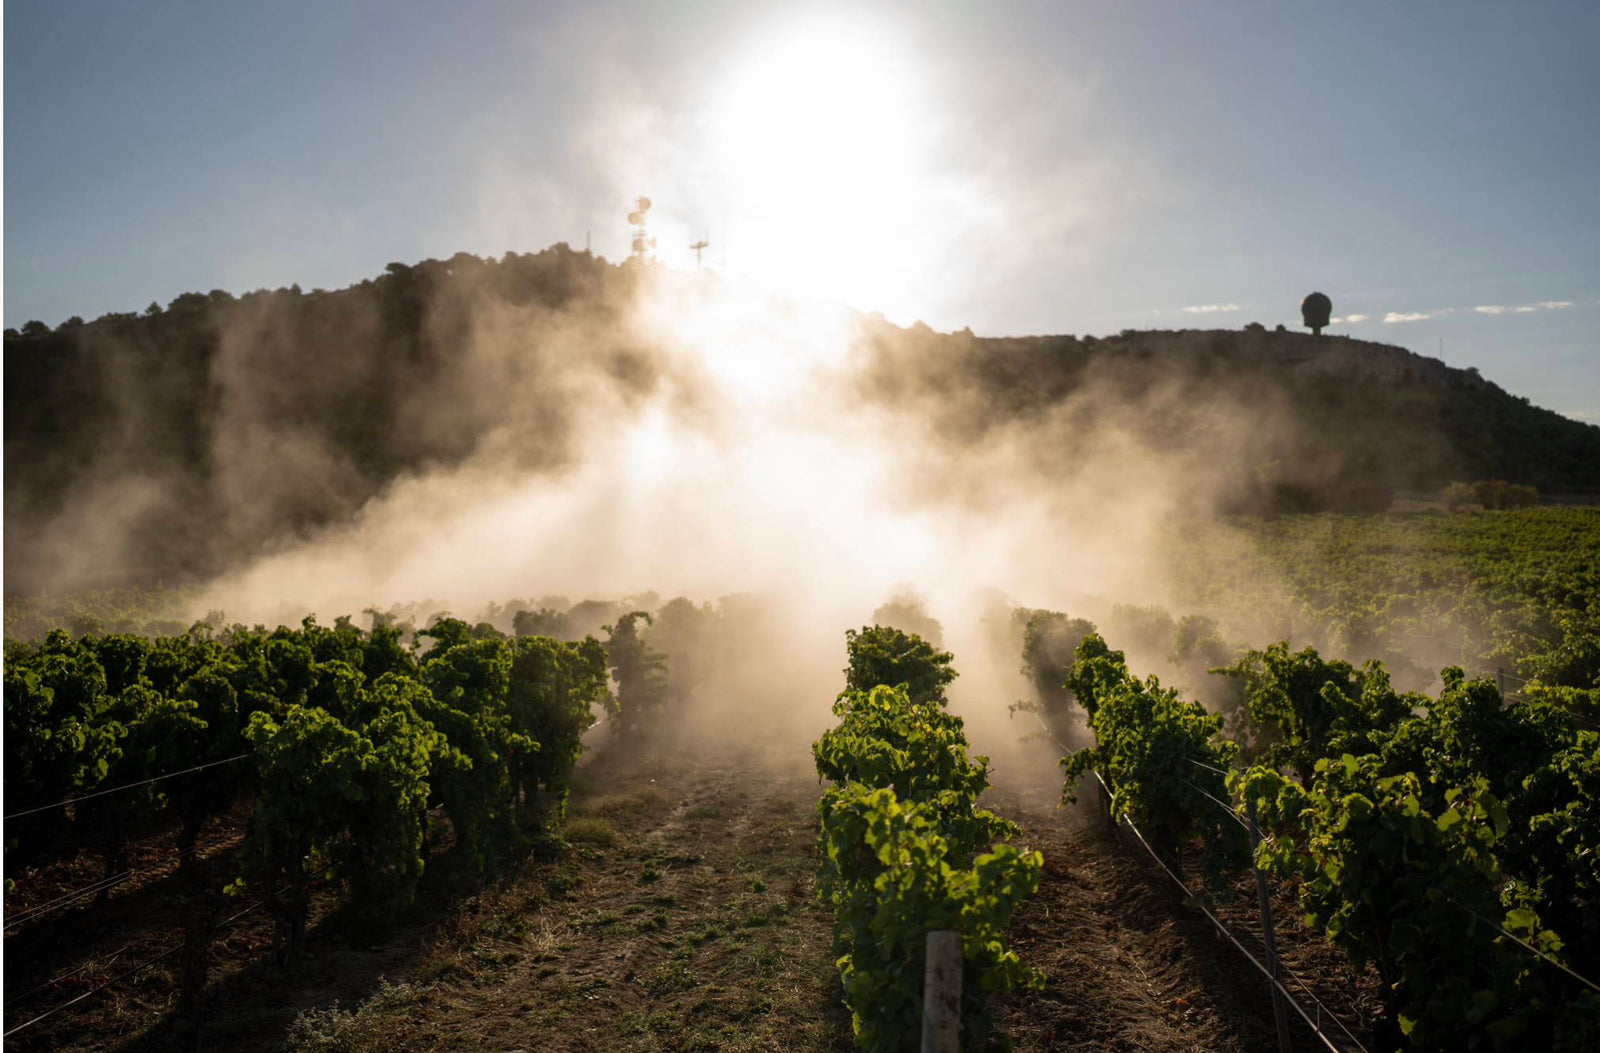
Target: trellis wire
(168,953)
(1287,994)
(127,786)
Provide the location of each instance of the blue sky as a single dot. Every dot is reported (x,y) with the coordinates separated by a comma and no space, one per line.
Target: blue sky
(1015,167)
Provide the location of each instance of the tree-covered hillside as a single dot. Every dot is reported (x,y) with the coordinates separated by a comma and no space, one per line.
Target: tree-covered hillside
(1279,421)
(165,445)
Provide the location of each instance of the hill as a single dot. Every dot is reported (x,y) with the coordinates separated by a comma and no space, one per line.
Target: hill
(162,446)
(1282,421)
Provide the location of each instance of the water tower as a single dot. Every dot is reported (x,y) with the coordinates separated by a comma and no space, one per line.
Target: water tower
(1315,310)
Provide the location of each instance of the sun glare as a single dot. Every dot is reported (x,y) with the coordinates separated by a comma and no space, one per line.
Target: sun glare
(818,141)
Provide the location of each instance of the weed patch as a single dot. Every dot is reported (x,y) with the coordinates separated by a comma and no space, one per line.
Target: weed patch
(592,831)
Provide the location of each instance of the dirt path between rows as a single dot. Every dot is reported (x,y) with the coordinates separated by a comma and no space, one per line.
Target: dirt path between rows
(1131,965)
(685,918)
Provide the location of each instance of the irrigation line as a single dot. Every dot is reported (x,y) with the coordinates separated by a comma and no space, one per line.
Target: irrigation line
(47,1014)
(1317,1001)
(1526,946)
(1519,696)
(119,789)
(68,974)
(1208,767)
(1050,732)
(168,953)
(1582,722)
(42,909)
(1314,1025)
(1576,718)
(1287,994)
(1231,813)
(1250,825)
(61,901)
(257,905)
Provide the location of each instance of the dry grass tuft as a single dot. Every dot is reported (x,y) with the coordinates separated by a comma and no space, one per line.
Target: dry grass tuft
(592,831)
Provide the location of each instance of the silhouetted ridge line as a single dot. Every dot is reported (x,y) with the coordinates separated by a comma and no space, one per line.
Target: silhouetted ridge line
(169,445)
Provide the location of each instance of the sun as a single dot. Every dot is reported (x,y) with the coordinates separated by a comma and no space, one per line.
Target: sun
(819,146)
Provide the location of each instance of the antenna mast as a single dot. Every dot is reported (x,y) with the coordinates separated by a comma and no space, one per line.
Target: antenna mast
(642,242)
(697,247)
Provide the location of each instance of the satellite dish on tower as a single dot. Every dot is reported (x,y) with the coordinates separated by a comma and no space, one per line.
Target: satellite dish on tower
(642,241)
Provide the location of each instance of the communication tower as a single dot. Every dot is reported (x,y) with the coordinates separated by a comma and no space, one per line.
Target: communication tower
(697,247)
(642,242)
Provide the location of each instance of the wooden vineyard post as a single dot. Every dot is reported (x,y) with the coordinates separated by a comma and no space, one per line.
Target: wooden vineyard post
(1280,1013)
(941,994)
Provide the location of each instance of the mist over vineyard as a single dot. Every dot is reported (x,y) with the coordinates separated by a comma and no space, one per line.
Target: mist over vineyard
(468,432)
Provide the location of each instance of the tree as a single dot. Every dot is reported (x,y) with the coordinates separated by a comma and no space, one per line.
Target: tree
(189,301)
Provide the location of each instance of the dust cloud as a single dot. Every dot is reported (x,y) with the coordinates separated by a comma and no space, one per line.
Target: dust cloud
(558,426)
(787,469)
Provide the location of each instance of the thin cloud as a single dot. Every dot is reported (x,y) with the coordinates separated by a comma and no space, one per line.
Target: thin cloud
(1527,308)
(1355,317)
(1410,316)
(1211,308)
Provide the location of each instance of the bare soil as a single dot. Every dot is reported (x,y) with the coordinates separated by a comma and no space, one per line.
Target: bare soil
(1131,963)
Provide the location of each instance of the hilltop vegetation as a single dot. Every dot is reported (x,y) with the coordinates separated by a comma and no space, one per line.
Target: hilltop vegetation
(219,424)
(1306,424)
(165,445)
